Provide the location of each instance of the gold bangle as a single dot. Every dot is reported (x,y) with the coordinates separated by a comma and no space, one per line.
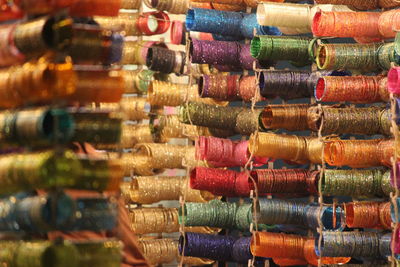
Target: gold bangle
(170,127)
(133,108)
(151,189)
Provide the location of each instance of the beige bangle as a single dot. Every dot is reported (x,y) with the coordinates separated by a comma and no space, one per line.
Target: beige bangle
(292,18)
(172,6)
(170,127)
(124,22)
(169,156)
(133,108)
(130,4)
(158,251)
(134,164)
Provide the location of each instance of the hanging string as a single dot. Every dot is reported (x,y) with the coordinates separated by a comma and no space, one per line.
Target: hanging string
(290,18)
(291,84)
(294,148)
(209,115)
(292,117)
(275,211)
(168,156)
(346,244)
(248,89)
(235,24)
(237,56)
(368,121)
(152,189)
(220,87)
(294,49)
(162,93)
(159,220)
(223,152)
(312,258)
(230,183)
(170,127)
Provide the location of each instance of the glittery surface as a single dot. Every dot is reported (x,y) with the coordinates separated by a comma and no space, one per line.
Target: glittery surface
(359,89)
(222,152)
(207,246)
(367,121)
(215,213)
(364,57)
(165,60)
(217,181)
(356,183)
(209,115)
(346,24)
(291,84)
(350,244)
(233,54)
(238,25)
(222,248)
(220,87)
(294,49)
(394,80)
(285,181)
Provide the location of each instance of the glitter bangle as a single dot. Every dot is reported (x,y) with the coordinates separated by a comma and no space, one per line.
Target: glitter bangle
(151,189)
(294,49)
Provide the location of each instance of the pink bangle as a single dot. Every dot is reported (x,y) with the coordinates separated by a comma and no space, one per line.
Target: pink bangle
(9,53)
(177,31)
(394,80)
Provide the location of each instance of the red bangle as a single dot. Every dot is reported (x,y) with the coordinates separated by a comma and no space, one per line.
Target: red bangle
(86,8)
(163,23)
